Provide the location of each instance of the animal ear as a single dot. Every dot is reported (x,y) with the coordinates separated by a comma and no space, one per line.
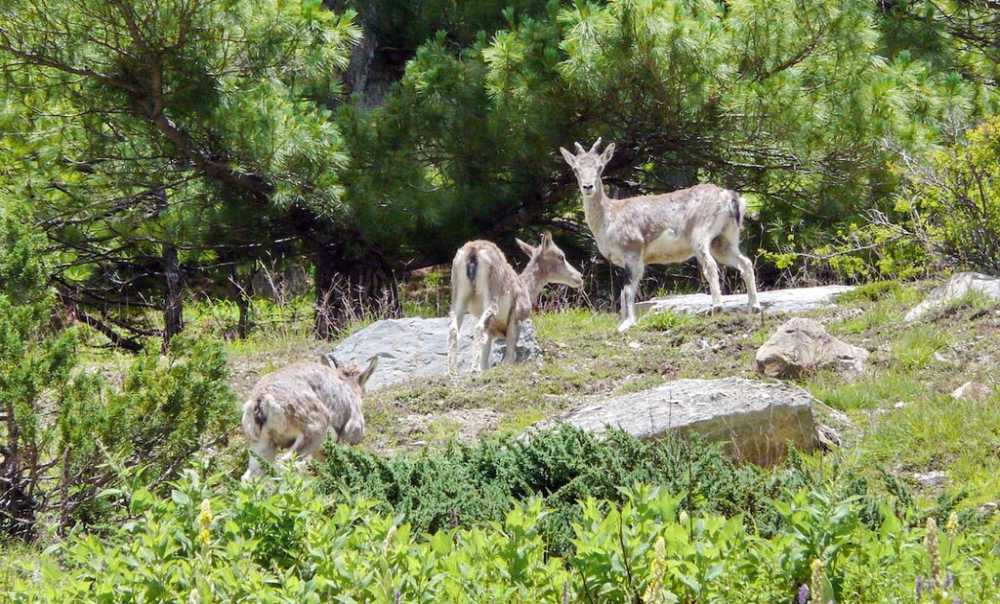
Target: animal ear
(608,152)
(528,249)
(546,239)
(569,157)
(367,373)
(329,360)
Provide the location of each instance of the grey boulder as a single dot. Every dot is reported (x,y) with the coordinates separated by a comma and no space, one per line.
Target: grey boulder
(756,420)
(960,285)
(413,348)
(801,346)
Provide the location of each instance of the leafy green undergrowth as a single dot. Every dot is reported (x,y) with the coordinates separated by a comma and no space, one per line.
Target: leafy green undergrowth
(462,484)
(285,540)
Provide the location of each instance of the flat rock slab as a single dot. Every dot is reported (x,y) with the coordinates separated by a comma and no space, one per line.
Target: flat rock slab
(413,348)
(755,419)
(960,285)
(775,301)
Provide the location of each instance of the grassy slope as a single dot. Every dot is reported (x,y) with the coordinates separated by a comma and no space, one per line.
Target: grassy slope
(584,358)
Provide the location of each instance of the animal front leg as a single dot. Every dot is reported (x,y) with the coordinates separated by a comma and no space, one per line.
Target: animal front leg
(302,449)
(633,275)
(485,347)
(261,450)
(510,353)
(292,450)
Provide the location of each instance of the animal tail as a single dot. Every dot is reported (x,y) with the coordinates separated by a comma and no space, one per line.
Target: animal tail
(471,266)
(255,414)
(739,208)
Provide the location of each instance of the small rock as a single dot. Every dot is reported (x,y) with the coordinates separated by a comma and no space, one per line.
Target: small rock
(940,358)
(972,391)
(989,508)
(802,345)
(829,438)
(634,345)
(933,479)
(899,405)
(837,428)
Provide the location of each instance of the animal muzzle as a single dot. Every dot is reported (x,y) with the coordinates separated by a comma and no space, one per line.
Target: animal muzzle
(574,280)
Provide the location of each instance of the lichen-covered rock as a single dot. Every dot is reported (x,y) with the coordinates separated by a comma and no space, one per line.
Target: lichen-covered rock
(414,348)
(755,420)
(960,285)
(802,346)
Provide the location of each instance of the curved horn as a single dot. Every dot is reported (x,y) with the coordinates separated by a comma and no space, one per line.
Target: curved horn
(597,143)
(330,360)
(579,148)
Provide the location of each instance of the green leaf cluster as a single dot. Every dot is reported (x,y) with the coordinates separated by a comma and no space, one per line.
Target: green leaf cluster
(283,540)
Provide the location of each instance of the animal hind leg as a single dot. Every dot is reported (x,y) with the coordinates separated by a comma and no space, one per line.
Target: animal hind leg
(484,337)
(513,330)
(732,256)
(710,269)
(454,330)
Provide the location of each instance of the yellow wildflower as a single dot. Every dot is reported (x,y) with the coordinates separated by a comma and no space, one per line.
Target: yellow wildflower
(654,591)
(205,521)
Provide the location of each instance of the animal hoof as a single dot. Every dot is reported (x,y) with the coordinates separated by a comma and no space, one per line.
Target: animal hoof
(626,325)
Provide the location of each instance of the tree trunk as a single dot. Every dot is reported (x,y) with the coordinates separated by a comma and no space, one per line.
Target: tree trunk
(326,279)
(244,301)
(173,308)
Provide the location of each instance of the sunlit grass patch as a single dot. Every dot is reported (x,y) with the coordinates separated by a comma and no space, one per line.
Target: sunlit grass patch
(871,391)
(665,320)
(915,348)
(870,292)
(573,323)
(941,433)
(873,318)
(518,421)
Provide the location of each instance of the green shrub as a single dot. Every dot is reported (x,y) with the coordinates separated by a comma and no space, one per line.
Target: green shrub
(285,541)
(955,200)
(65,436)
(462,485)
